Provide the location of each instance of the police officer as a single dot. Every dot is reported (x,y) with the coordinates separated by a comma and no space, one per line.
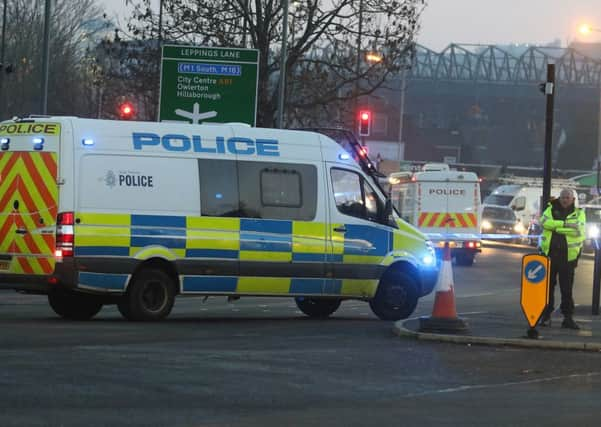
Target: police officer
(562,238)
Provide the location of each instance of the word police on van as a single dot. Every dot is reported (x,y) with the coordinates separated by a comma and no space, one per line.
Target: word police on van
(234,145)
(134,214)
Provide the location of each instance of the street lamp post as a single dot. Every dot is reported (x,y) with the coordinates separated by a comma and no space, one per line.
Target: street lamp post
(282,86)
(3,71)
(45,59)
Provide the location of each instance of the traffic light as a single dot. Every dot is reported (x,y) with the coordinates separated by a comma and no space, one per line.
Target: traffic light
(364,122)
(126,111)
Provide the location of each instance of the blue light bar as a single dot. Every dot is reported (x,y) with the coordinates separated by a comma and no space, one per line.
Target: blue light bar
(87,142)
(344,156)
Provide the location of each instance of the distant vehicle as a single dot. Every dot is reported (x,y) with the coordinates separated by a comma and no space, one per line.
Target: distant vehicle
(501,223)
(523,195)
(444,204)
(593,226)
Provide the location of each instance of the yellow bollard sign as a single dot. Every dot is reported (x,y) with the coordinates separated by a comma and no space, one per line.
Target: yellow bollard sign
(535,286)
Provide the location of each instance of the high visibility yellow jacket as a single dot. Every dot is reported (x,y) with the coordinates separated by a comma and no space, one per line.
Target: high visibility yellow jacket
(574,236)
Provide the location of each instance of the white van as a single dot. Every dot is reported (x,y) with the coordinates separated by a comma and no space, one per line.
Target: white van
(524,199)
(97,212)
(444,204)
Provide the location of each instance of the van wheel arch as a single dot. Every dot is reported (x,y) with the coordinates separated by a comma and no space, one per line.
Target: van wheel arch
(397,293)
(151,291)
(160,264)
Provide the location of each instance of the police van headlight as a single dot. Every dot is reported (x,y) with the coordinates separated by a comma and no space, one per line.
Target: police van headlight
(486,225)
(429,258)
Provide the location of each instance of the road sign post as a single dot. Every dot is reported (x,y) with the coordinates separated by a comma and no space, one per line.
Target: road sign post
(535,289)
(208,84)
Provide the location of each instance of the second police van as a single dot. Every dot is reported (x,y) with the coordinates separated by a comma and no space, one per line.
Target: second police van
(96,212)
(444,204)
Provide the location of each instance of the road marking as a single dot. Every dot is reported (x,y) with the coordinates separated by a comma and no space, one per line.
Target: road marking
(499,385)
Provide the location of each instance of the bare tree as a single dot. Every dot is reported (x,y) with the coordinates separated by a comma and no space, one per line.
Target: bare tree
(327,44)
(71,26)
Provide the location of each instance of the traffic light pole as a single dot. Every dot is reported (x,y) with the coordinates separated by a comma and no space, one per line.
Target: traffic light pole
(549,90)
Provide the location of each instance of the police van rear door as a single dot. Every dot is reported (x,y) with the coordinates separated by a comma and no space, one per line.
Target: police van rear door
(449,205)
(28,196)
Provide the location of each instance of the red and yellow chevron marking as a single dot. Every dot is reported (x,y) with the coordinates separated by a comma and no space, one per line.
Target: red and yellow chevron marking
(28,178)
(447,219)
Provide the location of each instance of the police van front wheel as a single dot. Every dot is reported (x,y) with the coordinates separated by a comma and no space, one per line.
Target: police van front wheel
(396,297)
(74,305)
(150,296)
(317,307)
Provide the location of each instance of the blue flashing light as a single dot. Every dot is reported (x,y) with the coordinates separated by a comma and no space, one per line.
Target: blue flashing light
(87,142)
(4,143)
(38,143)
(344,156)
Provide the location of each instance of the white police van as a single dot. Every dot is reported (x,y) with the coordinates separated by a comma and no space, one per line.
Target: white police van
(96,212)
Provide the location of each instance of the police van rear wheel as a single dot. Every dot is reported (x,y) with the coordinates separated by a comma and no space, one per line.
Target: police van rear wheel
(150,296)
(317,307)
(396,297)
(74,305)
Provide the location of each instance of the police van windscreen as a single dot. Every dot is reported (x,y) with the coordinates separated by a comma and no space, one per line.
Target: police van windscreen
(498,199)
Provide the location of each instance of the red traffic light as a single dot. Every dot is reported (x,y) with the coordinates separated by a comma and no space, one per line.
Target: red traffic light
(364,122)
(126,111)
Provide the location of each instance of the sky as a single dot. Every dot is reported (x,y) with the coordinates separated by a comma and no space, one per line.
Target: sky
(488,21)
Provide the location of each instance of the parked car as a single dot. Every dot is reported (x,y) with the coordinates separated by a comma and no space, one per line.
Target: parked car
(501,223)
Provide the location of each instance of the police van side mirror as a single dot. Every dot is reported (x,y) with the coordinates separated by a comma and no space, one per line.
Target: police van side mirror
(387,217)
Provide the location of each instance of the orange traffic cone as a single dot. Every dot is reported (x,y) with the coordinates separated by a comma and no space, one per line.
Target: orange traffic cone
(444,314)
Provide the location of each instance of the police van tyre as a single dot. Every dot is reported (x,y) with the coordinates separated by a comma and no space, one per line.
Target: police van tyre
(317,307)
(396,297)
(74,305)
(150,296)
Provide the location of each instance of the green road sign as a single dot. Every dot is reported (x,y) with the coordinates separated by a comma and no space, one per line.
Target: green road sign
(209,84)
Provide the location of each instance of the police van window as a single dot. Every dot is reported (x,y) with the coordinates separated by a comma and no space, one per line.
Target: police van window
(354,196)
(218,188)
(373,204)
(277,191)
(281,188)
(347,192)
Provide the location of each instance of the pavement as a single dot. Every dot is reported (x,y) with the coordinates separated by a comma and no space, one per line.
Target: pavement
(509,328)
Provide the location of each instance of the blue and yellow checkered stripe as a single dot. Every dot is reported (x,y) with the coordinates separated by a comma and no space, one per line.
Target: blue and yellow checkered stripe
(278,286)
(242,239)
(200,237)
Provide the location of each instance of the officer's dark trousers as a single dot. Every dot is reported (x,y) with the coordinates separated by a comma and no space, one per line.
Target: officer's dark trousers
(565,271)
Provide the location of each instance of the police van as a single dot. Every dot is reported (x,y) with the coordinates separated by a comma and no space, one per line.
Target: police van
(96,212)
(444,204)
